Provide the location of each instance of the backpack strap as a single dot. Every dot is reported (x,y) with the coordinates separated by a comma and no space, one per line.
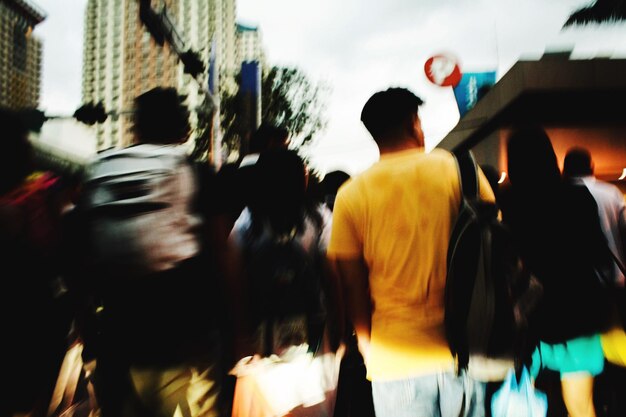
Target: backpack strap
(481,305)
(468,174)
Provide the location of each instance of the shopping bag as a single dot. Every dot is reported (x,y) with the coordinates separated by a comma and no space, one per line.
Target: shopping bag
(74,394)
(521,399)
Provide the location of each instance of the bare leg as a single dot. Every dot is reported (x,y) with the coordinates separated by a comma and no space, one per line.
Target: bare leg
(578,395)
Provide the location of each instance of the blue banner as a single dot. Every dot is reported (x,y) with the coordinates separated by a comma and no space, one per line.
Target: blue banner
(250,89)
(251,77)
(212,67)
(471,88)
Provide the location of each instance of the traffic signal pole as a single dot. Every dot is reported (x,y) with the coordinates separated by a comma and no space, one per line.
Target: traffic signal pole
(162,30)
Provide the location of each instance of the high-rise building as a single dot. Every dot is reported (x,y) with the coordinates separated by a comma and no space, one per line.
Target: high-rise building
(20,54)
(249,44)
(122,60)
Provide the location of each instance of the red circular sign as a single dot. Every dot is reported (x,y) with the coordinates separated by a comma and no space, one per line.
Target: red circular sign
(443,70)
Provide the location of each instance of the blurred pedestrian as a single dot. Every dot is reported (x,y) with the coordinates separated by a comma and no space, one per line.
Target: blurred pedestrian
(147,213)
(34,316)
(578,168)
(557,228)
(391,227)
(282,238)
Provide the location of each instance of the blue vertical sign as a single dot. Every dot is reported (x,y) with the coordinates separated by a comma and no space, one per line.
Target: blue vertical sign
(212,70)
(251,91)
(467,90)
(250,77)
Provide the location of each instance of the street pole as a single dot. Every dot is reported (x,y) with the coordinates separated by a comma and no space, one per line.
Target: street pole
(163,30)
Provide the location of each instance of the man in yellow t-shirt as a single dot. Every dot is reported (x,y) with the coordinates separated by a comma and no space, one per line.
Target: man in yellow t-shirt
(389,241)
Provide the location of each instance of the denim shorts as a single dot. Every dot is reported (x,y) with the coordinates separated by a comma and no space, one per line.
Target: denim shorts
(438,395)
(580,355)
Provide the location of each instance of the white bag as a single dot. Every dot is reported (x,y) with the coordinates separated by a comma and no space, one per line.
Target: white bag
(73,375)
(519,400)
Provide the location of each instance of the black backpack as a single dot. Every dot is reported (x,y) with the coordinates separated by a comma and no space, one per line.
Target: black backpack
(489,294)
(287,293)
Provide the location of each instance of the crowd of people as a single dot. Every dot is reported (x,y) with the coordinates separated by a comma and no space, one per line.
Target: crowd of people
(161,286)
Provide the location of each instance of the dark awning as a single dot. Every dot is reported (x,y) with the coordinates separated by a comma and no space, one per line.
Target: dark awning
(551,91)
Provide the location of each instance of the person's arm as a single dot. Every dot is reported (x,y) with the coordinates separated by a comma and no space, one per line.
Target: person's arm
(338,317)
(354,275)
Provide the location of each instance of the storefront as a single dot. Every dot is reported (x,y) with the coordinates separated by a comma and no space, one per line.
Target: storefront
(578,102)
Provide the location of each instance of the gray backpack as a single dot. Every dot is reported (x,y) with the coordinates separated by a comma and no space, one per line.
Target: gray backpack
(138,206)
(489,293)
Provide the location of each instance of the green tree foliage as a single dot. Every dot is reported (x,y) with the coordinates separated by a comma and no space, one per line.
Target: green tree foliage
(288,98)
(233,126)
(291,100)
(204,130)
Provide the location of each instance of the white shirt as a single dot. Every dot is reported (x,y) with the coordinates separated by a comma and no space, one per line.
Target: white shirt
(250,159)
(612,212)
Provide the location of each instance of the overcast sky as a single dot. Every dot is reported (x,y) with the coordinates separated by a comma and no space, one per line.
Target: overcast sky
(359,47)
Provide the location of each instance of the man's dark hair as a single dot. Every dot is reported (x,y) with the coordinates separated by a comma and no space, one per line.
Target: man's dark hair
(161,117)
(387,112)
(268,136)
(577,163)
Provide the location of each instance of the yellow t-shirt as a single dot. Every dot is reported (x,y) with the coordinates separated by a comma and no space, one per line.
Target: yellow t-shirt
(398,216)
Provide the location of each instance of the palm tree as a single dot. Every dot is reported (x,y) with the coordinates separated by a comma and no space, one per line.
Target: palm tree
(602,11)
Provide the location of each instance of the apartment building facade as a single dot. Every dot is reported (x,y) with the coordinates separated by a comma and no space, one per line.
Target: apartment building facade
(122,60)
(249,45)
(20,54)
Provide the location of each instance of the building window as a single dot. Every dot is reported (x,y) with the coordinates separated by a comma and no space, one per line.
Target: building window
(20,45)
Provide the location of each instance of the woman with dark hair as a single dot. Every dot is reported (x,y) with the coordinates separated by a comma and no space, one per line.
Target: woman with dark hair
(282,237)
(557,228)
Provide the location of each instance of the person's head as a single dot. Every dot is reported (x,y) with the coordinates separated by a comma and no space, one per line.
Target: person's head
(16,158)
(280,188)
(160,117)
(269,136)
(282,175)
(391,117)
(531,158)
(331,183)
(333,180)
(577,163)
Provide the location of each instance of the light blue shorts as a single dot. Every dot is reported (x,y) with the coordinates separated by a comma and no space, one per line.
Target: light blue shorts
(438,395)
(580,355)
